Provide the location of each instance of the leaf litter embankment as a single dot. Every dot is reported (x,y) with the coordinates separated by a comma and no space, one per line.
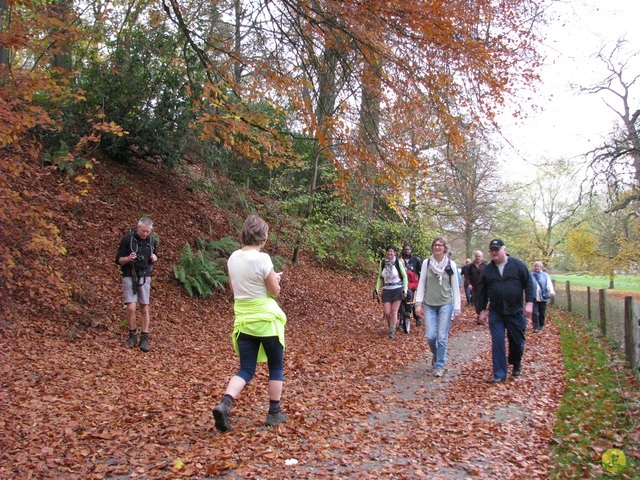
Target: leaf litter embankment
(76,404)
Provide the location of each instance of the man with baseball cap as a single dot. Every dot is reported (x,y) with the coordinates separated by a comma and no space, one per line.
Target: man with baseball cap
(500,294)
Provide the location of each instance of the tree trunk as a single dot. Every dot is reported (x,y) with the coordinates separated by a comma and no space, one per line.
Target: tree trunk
(327,88)
(4,25)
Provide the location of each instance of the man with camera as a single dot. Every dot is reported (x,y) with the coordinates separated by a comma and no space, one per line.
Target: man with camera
(136,256)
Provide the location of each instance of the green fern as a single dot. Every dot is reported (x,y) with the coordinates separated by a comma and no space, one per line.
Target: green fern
(202,272)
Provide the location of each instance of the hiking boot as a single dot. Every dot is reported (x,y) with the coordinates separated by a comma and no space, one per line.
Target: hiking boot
(144,342)
(392,335)
(222,414)
(274,419)
(132,341)
(517,370)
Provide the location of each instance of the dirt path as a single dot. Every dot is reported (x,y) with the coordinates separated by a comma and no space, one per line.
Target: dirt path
(459,426)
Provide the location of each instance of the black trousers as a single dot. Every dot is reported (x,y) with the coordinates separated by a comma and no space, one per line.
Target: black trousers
(539,314)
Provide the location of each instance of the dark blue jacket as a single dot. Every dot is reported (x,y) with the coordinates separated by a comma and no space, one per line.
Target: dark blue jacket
(504,293)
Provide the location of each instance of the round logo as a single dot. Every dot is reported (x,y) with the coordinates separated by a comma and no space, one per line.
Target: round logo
(614,461)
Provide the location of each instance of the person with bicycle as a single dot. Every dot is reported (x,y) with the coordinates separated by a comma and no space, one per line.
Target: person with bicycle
(407,306)
(413,264)
(392,286)
(439,292)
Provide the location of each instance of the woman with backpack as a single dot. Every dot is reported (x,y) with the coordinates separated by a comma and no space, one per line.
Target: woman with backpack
(392,279)
(439,291)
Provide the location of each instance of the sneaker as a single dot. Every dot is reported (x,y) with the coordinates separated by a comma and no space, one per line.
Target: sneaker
(222,414)
(132,341)
(439,372)
(144,342)
(498,380)
(392,335)
(274,419)
(517,370)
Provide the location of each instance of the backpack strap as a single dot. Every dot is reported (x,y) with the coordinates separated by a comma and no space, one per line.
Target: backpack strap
(448,265)
(397,267)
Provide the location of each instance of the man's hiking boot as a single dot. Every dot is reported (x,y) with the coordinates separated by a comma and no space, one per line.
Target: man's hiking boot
(274,419)
(132,341)
(144,342)
(222,414)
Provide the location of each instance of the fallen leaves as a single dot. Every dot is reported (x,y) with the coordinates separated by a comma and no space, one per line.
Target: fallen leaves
(359,404)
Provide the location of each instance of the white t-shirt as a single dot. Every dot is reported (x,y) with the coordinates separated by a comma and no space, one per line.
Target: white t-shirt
(248,270)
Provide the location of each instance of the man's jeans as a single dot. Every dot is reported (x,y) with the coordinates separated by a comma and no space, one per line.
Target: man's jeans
(467,293)
(437,324)
(515,326)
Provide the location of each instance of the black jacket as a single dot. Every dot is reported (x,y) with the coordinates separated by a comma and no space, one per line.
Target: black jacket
(414,264)
(143,248)
(474,272)
(504,293)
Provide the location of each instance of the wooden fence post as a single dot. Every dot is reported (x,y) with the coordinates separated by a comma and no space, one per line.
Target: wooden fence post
(630,333)
(603,310)
(589,303)
(568,289)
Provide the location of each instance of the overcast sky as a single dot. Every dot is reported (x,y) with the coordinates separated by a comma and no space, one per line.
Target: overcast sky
(571,124)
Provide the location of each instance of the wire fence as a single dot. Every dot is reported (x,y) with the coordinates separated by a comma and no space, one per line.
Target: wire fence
(617,318)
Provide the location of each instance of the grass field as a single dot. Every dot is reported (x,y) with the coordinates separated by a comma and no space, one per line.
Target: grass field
(624,283)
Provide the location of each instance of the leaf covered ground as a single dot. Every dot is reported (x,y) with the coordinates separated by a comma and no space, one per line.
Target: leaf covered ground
(75,403)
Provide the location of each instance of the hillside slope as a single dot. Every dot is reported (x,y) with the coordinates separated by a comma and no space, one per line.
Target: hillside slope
(75,403)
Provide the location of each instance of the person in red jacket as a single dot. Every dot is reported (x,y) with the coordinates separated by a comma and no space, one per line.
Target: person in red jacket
(412,285)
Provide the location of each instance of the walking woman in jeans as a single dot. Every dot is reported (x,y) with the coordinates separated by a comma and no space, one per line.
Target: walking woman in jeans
(439,292)
(258,330)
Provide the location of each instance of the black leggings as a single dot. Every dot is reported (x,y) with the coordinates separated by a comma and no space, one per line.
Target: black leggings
(248,347)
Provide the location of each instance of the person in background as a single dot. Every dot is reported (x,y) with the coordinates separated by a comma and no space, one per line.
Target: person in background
(393,283)
(413,264)
(464,271)
(503,284)
(475,272)
(258,329)
(439,291)
(136,256)
(544,291)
